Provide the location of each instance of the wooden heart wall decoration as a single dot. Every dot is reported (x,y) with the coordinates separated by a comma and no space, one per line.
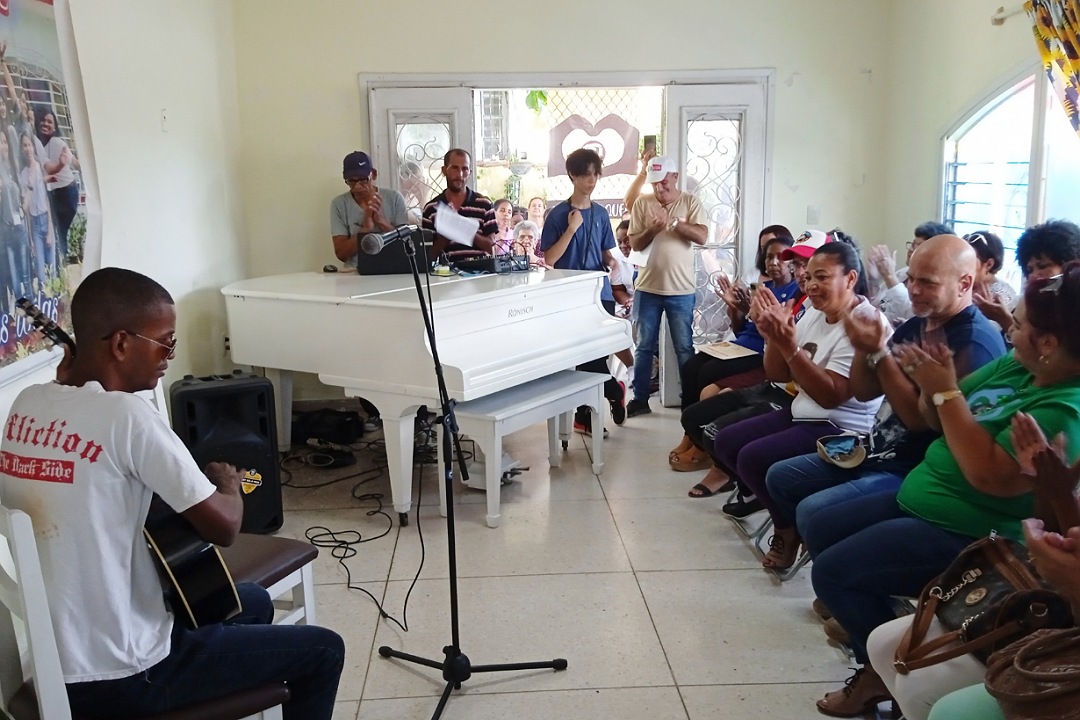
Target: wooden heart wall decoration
(614,139)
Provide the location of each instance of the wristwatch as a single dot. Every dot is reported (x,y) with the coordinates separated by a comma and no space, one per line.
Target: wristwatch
(940,398)
(673,224)
(873,359)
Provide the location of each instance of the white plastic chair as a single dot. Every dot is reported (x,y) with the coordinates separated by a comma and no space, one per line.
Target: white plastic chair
(28,654)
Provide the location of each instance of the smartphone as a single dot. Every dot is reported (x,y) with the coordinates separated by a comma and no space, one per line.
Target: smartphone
(650,144)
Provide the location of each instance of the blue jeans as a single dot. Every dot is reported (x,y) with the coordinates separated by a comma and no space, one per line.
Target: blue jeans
(65,203)
(44,260)
(887,552)
(680,319)
(220,659)
(823,528)
(800,486)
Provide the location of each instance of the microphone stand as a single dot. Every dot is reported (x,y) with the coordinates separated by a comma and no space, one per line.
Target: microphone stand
(455,665)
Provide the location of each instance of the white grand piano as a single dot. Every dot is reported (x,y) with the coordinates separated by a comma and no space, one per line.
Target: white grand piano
(366,335)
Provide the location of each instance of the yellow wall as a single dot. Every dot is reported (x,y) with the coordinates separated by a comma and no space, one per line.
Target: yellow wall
(946,57)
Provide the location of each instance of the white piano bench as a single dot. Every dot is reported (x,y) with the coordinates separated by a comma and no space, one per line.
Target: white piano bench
(553,398)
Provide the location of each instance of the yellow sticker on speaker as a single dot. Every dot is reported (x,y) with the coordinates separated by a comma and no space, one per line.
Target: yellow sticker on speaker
(251,480)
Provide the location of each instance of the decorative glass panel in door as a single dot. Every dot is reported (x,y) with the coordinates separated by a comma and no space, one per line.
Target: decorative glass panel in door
(412,128)
(720,133)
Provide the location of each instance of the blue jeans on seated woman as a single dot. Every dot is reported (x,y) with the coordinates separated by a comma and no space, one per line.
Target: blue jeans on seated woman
(886,553)
(800,486)
(651,307)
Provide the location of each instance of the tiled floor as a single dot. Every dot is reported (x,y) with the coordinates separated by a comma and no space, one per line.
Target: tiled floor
(659,606)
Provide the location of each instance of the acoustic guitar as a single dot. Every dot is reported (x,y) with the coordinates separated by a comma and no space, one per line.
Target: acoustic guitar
(197,583)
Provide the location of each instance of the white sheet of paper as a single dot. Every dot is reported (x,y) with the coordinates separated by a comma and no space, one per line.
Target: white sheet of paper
(454,227)
(640,257)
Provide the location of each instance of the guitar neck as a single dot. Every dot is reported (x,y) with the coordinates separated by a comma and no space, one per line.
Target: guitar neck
(45,324)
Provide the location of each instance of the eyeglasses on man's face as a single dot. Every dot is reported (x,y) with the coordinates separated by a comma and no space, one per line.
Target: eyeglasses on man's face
(169,347)
(357,181)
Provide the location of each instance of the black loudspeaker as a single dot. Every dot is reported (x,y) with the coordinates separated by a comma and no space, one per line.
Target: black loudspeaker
(230,418)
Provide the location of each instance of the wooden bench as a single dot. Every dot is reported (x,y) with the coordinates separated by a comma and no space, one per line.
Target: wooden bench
(553,398)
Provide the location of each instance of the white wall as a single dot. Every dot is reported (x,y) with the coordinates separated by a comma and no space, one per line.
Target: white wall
(169,200)
(946,57)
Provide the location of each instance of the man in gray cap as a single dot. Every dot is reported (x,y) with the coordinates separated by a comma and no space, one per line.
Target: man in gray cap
(365,208)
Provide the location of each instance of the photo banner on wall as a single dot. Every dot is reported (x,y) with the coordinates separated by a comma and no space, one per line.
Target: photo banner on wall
(46,182)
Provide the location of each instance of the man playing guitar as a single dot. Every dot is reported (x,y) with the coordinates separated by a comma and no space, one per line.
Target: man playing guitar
(83,456)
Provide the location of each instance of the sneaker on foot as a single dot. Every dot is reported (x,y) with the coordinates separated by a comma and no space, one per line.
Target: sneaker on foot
(585,428)
(637,407)
(742,506)
(618,405)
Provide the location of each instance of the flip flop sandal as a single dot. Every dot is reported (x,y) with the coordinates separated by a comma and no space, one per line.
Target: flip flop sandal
(703,491)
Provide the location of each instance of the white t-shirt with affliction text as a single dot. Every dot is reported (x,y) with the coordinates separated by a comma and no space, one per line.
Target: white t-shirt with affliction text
(83,463)
(830,348)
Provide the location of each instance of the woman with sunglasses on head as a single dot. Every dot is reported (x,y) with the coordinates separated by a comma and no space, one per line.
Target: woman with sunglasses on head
(992,295)
(919,689)
(1041,252)
(970,482)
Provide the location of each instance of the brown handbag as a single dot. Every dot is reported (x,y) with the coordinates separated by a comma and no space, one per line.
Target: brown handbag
(1038,676)
(987,598)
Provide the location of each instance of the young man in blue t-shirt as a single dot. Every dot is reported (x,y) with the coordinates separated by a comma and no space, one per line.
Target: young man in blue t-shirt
(577,235)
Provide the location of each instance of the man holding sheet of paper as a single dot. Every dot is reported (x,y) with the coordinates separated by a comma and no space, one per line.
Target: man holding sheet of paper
(470,205)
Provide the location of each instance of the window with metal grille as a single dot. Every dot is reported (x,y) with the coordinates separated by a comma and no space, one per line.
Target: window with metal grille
(1012,163)
(494,123)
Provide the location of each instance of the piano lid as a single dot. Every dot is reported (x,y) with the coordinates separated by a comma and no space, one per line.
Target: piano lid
(495,331)
(395,290)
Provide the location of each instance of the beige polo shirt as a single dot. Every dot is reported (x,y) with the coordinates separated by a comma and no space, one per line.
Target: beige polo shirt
(670,269)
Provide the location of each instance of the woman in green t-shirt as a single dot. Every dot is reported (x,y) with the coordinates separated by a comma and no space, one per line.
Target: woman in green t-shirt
(968,485)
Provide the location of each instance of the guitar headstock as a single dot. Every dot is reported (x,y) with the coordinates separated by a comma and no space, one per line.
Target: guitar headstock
(45,324)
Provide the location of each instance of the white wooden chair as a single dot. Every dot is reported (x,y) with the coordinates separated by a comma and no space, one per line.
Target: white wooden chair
(31,682)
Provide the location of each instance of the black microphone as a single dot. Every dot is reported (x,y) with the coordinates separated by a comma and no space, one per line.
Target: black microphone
(373,243)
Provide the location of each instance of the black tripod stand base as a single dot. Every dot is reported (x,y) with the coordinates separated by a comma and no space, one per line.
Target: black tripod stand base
(456,668)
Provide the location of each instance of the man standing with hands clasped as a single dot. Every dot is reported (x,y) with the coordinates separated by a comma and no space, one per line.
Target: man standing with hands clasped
(364,209)
(666,225)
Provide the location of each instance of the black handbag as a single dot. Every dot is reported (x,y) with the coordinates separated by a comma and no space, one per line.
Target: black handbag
(987,598)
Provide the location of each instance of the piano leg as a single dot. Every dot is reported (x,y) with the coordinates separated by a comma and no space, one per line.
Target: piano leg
(398,434)
(554,453)
(491,443)
(283,387)
(599,413)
